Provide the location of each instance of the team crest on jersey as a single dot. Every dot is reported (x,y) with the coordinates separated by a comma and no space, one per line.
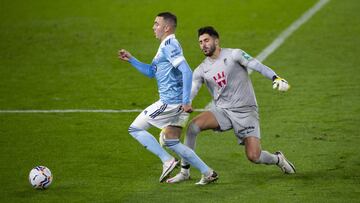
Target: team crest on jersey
(220,79)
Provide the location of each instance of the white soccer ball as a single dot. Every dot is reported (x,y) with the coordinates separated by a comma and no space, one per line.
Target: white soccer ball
(40,177)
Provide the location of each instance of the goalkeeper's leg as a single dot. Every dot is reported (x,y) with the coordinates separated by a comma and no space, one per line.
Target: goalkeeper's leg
(258,156)
(190,141)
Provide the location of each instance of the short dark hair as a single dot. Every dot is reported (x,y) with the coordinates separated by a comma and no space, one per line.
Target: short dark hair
(169,17)
(208,30)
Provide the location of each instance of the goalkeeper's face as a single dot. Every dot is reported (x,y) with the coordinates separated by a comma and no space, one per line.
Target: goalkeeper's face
(207,44)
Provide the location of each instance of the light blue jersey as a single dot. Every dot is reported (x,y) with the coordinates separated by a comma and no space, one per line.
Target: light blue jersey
(171,71)
(168,76)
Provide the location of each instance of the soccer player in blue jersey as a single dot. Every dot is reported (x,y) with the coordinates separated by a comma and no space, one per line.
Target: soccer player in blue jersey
(170,113)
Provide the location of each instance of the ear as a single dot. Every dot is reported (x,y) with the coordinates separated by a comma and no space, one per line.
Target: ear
(167,28)
(217,42)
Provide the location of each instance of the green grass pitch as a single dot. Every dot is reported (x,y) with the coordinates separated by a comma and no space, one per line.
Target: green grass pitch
(63,55)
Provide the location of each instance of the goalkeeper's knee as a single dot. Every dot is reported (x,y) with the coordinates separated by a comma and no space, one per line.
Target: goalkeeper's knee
(193,130)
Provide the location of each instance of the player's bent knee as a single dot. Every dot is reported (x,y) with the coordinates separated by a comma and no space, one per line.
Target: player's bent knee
(193,129)
(172,132)
(254,157)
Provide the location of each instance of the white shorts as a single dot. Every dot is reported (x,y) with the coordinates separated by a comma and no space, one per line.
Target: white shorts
(161,115)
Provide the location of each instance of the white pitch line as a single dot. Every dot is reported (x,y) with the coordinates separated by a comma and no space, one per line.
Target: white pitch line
(291,29)
(78,111)
(72,111)
(261,57)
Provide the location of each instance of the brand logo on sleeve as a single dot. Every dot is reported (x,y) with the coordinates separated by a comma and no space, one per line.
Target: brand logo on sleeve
(246,56)
(175,52)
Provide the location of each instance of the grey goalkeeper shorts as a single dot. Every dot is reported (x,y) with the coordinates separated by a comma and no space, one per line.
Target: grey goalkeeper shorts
(244,121)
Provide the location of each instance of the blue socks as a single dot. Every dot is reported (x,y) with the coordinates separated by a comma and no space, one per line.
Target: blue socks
(150,143)
(187,154)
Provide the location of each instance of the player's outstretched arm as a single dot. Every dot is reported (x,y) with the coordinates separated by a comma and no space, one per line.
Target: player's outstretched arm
(144,68)
(253,64)
(278,83)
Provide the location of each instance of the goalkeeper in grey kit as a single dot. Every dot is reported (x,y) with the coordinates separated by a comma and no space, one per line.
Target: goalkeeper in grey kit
(225,73)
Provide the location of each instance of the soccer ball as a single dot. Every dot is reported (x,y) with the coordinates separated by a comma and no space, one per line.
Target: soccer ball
(40,177)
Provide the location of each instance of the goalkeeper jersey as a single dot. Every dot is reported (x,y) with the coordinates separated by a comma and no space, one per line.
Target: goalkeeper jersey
(227,78)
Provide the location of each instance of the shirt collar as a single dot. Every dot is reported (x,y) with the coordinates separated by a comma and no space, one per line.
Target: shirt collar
(168,37)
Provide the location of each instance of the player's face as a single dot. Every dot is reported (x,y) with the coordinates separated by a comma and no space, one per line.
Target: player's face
(159,27)
(207,44)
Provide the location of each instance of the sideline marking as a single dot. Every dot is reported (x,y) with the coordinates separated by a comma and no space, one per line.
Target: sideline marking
(291,29)
(80,111)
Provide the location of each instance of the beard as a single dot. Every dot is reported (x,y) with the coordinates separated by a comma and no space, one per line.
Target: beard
(209,51)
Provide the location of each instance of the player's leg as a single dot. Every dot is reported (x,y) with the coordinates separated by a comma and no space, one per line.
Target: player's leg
(138,130)
(172,136)
(258,156)
(255,154)
(154,115)
(247,129)
(203,121)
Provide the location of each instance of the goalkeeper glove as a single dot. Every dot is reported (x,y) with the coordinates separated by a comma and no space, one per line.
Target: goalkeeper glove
(280,84)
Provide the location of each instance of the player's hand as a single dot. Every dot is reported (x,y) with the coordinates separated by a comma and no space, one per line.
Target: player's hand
(187,108)
(281,84)
(124,55)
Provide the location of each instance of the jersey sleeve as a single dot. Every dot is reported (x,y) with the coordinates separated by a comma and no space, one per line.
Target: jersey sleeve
(249,62)
(173,52)
(197,81)
(146,69)
(241,57)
